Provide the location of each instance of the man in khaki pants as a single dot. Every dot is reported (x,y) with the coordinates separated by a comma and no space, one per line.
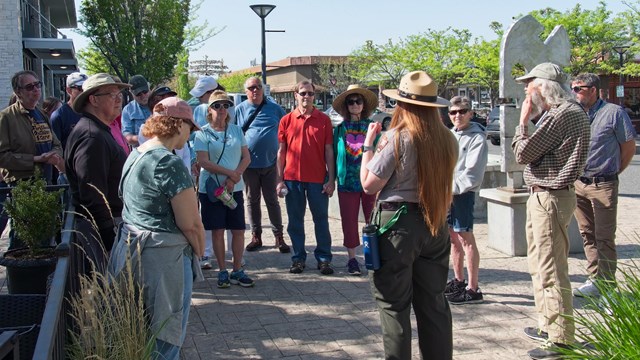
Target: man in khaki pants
(555,155)
(611,149)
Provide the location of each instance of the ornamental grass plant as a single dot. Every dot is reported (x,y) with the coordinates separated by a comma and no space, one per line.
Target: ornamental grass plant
(609,326)
(110,319)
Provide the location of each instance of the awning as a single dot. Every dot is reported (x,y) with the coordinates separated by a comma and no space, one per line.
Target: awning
(61,66)
(49,48)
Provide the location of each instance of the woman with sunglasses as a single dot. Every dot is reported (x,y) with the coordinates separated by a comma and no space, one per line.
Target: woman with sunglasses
(222,152)
(355,105)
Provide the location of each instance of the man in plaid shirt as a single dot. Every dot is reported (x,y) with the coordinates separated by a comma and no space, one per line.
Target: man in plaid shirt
(555,155)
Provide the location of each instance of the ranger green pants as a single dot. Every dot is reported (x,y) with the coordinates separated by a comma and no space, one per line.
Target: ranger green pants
(414,270)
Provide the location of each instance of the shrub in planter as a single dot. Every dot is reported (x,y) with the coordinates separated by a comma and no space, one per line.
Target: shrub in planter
(36,217)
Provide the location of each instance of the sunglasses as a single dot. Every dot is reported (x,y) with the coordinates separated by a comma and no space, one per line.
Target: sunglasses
(217,106)
(79,88)
(32,86)
(143,92)
(306,93)
(254,88)
(576,89)
(461,112)
(354,101)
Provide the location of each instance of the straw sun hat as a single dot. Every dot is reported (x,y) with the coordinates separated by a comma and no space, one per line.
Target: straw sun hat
(370,99)
(418,88)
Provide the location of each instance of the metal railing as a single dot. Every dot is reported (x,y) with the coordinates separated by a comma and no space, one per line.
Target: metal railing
(65,283)
(35,24)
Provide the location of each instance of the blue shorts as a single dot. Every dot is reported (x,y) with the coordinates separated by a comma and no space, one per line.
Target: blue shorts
(217,216)
(460,217)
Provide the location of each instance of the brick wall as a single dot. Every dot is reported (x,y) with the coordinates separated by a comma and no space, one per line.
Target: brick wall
(10,47)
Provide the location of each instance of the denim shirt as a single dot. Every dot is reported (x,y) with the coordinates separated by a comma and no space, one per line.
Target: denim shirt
(133,116)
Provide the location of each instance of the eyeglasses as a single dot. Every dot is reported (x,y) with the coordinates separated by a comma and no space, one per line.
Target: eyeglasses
(354,101)
(576,89)
(143,92)
(306,93)
(461,112)
(115,95)
(217,106)
(79,88)
(32,86)
(254,88)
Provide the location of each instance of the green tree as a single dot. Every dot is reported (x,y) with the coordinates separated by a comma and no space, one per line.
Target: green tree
(592,35)
(234,82)
(484,57)
(136,36)
(441,53)
(335,73)
(378,64)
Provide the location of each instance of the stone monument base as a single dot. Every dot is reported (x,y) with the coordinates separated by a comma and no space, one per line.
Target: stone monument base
(507,218)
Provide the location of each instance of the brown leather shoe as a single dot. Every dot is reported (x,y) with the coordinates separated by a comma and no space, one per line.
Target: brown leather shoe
(280,244)
(256,242)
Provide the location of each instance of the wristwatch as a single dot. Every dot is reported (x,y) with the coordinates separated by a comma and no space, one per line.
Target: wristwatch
(366,148)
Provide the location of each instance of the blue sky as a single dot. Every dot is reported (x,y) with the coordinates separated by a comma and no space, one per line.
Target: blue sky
(336,27)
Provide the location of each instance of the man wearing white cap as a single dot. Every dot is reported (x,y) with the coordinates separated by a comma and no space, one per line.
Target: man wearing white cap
(64,119)
(202,90)
(554,155)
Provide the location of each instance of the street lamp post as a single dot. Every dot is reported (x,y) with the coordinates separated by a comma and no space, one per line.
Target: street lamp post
(621,49)
(262,10)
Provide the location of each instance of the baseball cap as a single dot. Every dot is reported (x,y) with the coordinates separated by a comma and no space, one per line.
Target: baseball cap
(76,79)
(138,84)
(175,107)
(204,84)
(549,71)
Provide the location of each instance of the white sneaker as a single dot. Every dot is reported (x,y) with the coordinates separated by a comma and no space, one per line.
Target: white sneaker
(205,263)
(588,289)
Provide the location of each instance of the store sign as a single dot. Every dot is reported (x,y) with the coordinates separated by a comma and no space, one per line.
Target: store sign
(620,91)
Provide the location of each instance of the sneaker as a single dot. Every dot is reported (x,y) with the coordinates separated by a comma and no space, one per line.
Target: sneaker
(588,289)
(297,267)
(280,244)
(256,242)
(552,351)
(325,268)
(467,296)
(240,278)
(352,267)
(536,334)
(455,286)
(205,263)
(223,279)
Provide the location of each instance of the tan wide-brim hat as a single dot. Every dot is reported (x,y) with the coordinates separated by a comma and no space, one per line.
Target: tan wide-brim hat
(220,96)
(417,87)
(91,85)
(370,99)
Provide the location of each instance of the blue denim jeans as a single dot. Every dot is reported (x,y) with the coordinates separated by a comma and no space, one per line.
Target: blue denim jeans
(165,350)
(296,199)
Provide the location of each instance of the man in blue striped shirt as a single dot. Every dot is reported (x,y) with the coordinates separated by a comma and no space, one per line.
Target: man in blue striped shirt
(611,149)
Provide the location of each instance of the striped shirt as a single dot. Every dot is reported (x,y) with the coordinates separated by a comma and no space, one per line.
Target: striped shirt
(555,154)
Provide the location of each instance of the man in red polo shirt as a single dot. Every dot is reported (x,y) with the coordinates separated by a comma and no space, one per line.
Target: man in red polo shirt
(306,172)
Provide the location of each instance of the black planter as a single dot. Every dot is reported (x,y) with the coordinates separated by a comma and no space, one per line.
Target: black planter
(26,275)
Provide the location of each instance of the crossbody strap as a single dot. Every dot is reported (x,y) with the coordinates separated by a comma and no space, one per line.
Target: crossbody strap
(246,125)
(224,146)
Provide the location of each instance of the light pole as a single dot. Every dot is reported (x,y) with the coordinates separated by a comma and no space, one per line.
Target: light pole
(262,10)
(621,49)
